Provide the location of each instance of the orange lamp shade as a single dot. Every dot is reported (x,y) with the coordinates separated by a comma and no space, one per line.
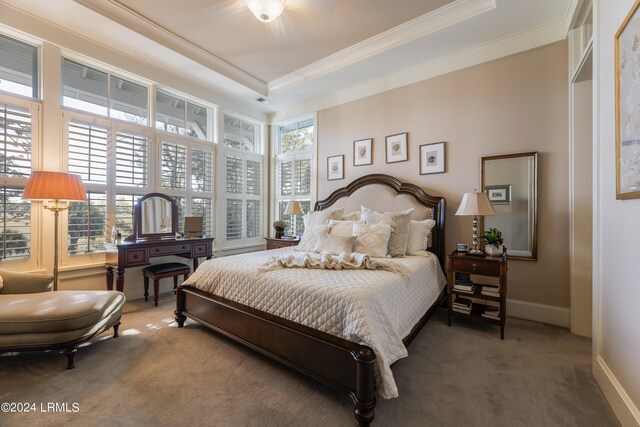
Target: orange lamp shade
(54,186)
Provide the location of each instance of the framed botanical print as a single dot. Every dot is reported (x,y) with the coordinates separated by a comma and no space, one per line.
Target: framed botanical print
(397,148)
(432,158)
(627,49)
(335,167)
(363,152)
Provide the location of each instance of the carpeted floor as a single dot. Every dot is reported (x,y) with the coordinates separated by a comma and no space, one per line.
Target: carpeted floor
(158,375)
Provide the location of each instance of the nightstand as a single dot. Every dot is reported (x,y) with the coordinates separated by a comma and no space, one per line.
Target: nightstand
(468,295)
(280,243)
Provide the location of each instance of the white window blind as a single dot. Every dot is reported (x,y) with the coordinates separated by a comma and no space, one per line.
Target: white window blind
(243,197)
(174,166)
(293,181)
(87,224)
(131,160)
(16,127)
(87,147)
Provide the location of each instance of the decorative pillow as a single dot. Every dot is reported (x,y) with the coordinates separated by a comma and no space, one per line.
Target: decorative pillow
(342,228)
(310,237)
(419,236)
(335,245)
(353,216)
(372,239)
(400,223)
(321,217)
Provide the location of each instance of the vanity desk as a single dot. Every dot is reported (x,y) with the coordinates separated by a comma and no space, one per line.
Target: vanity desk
(137,254)
(155,224)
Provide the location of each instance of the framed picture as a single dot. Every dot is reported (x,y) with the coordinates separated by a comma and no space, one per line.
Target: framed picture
(628,107)
(498,194)
(397,148)
(193,226)
(335,167)
(432,158)
(363,152)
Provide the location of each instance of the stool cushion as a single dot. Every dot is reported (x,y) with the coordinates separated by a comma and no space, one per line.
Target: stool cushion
(57,311)
(169,267)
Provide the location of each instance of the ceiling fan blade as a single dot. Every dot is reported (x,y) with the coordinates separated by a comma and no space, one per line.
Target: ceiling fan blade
(326,7)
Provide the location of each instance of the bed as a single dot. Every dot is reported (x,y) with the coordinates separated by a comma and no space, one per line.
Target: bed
(341,363)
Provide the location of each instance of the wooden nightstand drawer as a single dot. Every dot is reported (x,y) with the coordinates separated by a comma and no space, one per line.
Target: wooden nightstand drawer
(476,266)
(280,243)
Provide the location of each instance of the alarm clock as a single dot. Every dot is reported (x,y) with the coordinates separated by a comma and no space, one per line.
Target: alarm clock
(462,247)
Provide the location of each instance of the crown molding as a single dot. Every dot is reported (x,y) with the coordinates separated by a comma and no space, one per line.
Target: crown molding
(519,42)
(429,23)
(118,12)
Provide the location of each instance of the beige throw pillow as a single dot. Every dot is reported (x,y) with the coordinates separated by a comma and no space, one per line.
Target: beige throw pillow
(419,236)
(353,216)
(321,217)
(400,223)
(335,245)
(310,237)
(342,228)
(372,239)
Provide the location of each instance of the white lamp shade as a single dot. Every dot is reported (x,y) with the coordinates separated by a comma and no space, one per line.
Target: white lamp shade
(475,204)
(266,10)
(293,208)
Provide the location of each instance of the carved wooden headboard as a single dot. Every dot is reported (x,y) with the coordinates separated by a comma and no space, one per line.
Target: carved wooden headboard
(386,193)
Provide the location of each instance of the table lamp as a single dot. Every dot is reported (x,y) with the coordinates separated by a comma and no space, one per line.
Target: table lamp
(474,204)
(56,189)
(293,208)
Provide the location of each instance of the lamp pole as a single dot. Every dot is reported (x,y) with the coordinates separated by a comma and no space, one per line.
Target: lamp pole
(56,207)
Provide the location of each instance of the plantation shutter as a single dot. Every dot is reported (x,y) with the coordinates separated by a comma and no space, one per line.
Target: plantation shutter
(131,160)
(174,166)
(87,224)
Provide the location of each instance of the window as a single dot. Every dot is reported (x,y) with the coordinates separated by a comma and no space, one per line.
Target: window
(19,69)
(187,176)
(88,89)
(293,172)
(177,115)
(16,127)
(110,158)
(244,184)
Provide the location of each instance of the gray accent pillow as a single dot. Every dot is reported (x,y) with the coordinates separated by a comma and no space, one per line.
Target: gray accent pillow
(335,245)
(400,223)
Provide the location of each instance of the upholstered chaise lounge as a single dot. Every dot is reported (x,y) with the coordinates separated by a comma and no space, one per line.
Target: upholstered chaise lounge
(33,318)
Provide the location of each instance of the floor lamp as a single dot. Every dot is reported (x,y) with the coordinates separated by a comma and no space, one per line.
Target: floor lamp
(474,204)
(55,189)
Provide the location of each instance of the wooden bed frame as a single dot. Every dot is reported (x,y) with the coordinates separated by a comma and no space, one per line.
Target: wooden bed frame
(341,364)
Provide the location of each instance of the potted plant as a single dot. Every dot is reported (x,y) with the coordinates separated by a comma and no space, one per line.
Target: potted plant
(279,226)
(493,241)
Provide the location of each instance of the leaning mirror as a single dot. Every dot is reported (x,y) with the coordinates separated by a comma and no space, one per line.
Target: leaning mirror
(510,182)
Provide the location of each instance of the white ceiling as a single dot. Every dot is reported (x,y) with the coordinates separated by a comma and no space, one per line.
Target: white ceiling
(319,52)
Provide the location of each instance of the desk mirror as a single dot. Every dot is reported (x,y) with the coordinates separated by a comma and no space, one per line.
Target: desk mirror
(155,216)
(510,182)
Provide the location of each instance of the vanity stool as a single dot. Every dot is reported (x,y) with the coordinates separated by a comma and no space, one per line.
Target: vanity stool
(161,271)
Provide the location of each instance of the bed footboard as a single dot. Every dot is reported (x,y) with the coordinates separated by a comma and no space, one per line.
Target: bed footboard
(341,364)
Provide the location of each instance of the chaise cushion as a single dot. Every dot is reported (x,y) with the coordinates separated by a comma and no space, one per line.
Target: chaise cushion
(58,311)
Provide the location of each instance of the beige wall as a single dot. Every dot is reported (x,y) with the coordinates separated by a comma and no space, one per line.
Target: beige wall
(617,240)
(511,105)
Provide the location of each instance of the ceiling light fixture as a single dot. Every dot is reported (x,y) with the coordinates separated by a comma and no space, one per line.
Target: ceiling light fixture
(266,10)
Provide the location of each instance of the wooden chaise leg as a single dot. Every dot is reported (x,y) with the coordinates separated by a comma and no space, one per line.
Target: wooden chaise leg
(70,353)
(180,318)
(115,330)
(365,402)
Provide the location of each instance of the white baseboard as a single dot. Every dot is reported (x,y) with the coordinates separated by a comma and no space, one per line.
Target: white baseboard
(622,405)
(539,312)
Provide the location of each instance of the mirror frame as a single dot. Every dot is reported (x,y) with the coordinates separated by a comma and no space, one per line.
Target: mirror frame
(534,246)
(137,218)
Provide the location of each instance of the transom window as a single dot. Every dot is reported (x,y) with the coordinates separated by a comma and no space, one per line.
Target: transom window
(18,67)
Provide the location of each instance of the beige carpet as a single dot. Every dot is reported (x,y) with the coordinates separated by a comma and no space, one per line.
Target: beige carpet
(158,375)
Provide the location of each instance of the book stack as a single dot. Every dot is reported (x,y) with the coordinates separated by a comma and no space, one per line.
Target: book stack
(462,305)
(492,312)
(491,290)
(463,283)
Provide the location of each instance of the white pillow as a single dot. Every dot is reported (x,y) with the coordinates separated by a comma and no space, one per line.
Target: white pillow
(310,237)
(400,223)
(419,236)
(342,228)
(321,217)
(353,216)
(335,245)
(372,239)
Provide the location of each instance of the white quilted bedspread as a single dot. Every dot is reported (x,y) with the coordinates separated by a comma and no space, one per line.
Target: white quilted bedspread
(375,308)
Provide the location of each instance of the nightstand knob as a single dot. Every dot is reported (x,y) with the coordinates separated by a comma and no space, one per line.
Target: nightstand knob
(474,266)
